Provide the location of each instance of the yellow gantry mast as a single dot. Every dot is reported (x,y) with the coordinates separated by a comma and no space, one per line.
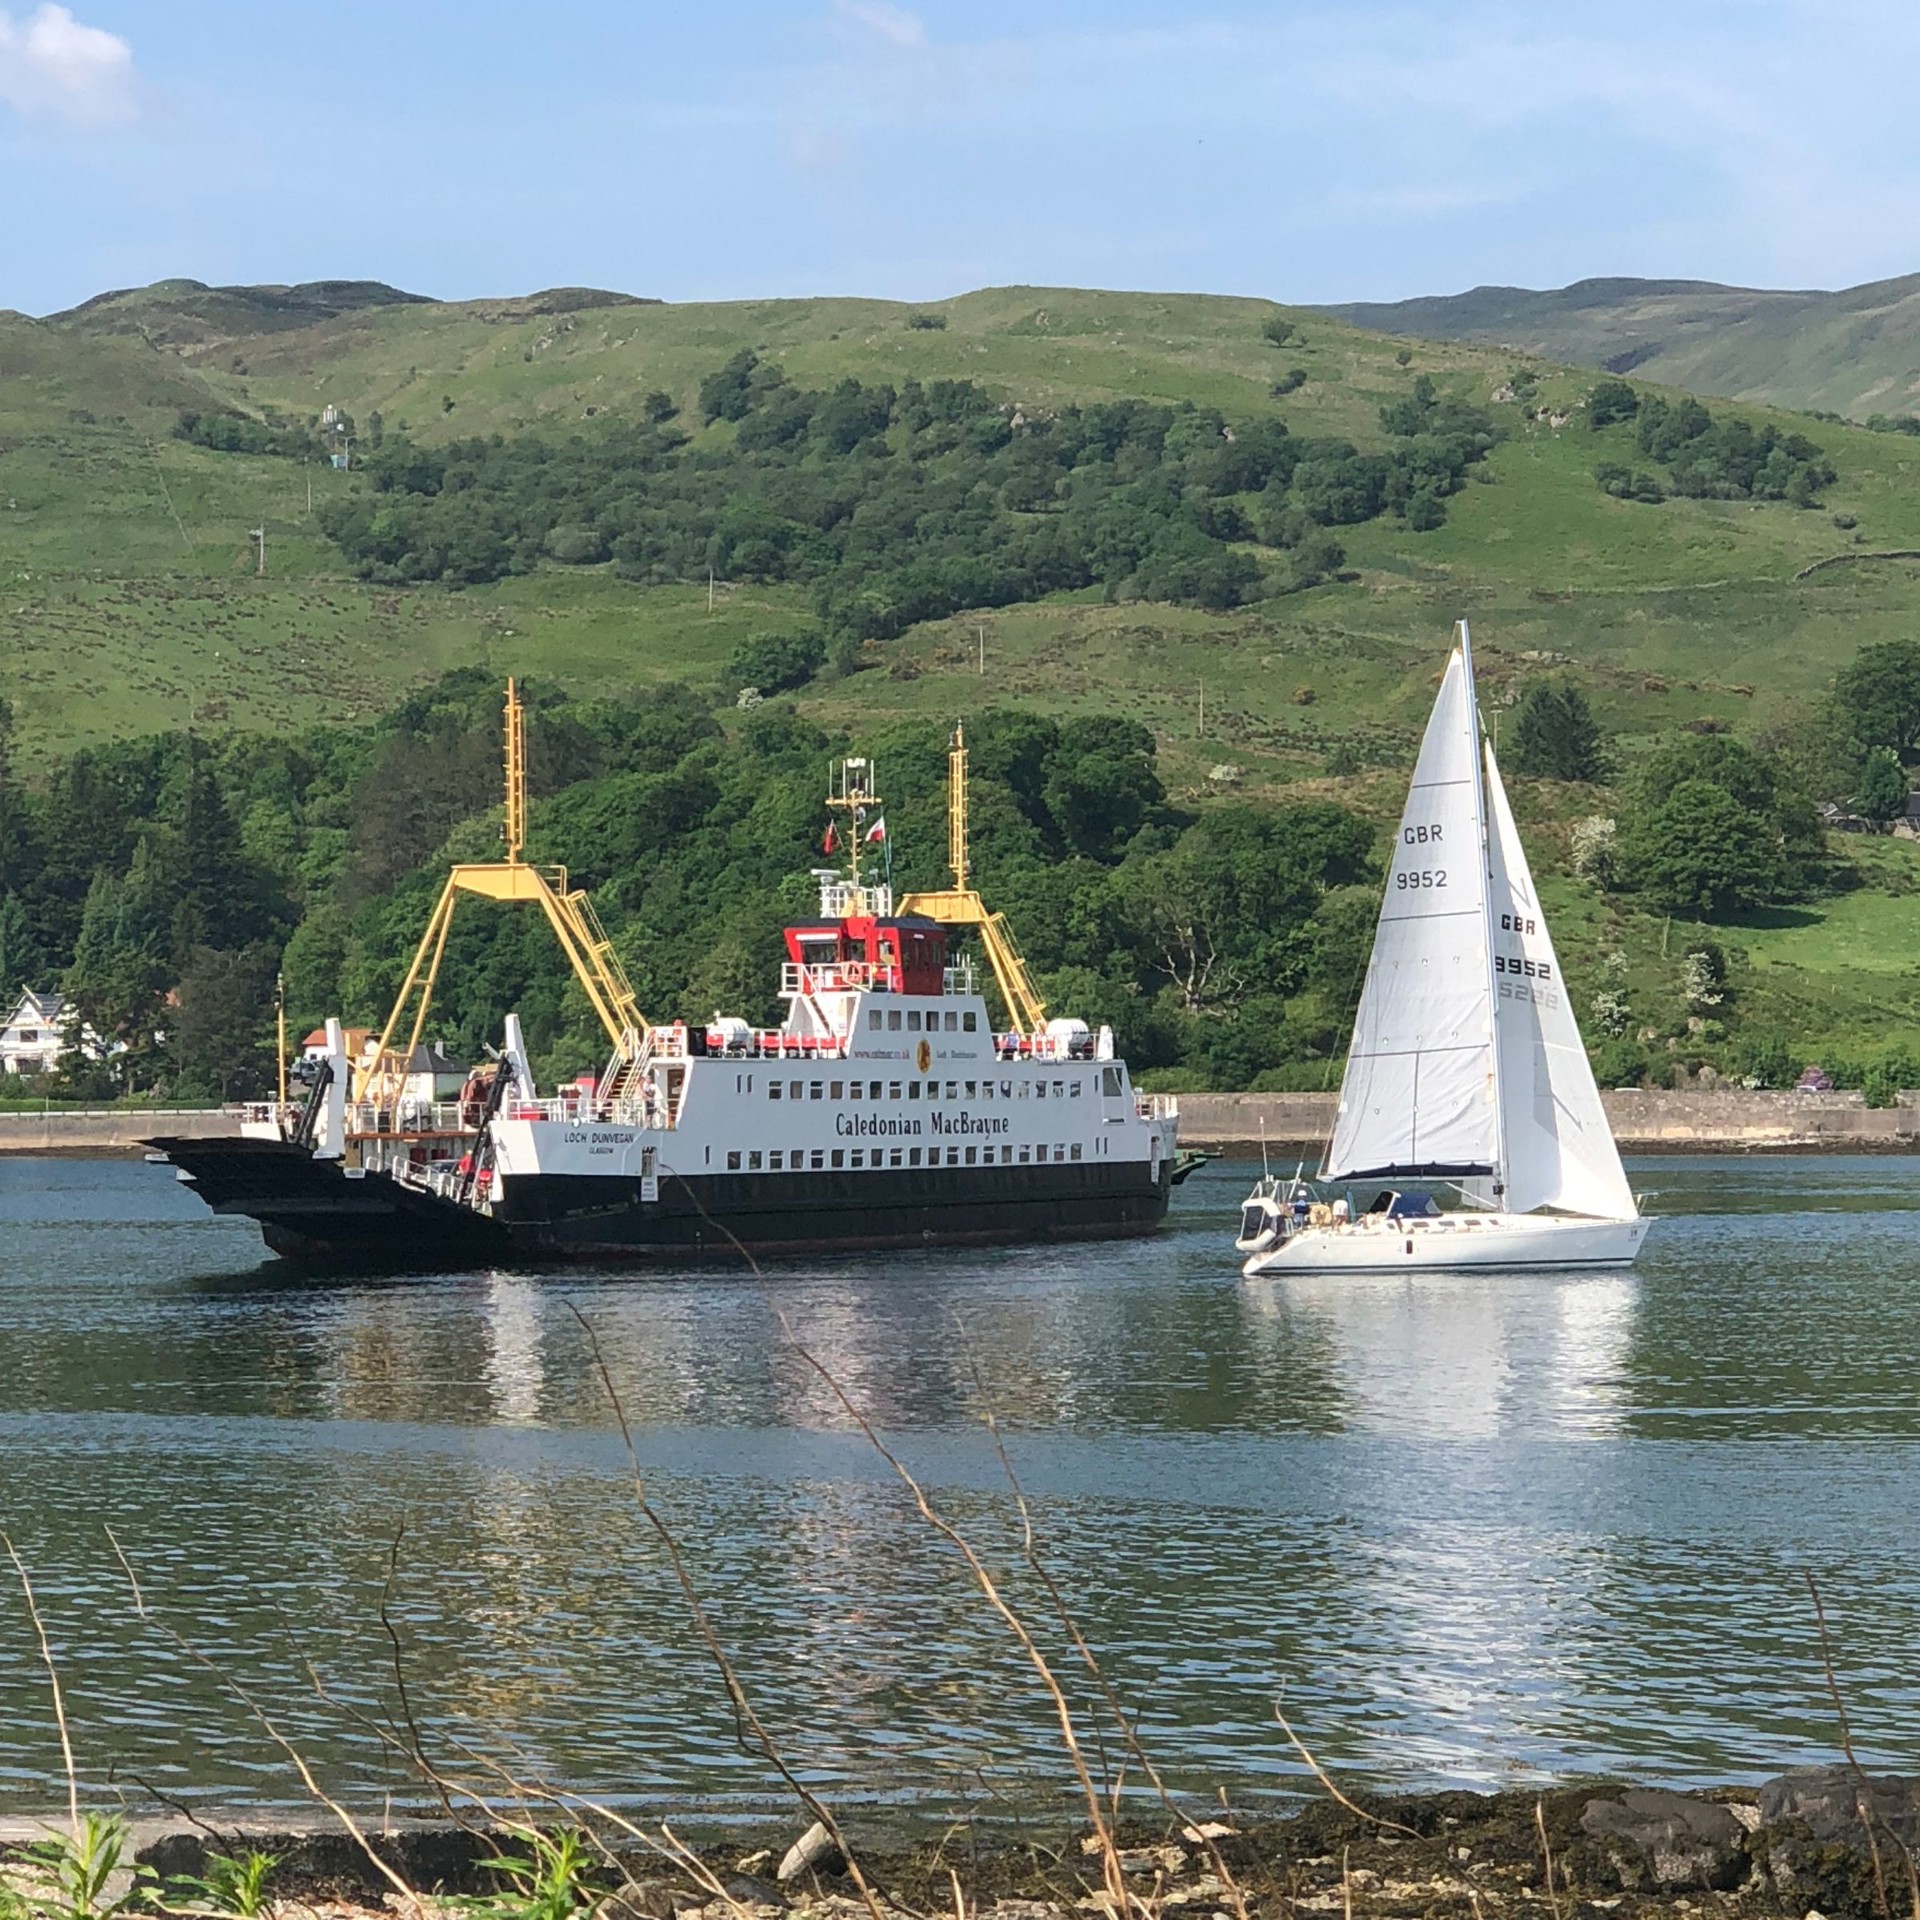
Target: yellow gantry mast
(960,906)
(569,913)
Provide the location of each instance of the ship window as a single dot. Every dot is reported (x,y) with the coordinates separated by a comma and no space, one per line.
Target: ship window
(953,1156)
(773,1089)
(1006,1089)
(970,1156)
(839,1157)
(774,1161)
(839,1090)
(873,1090)
(1023,1089)
(1110,1082)
(1039,1089)
(816,1090)
(913,1089)
(1073,1087)
(913,1021)
(953,1023)
(793,1089)
(971,1021)
(733,1163)
(893,1159)
(859,1158)
(853,1089)
(970,1089)
(1006,1156)
(753,1163)
(1059,1090)
(1023,1156)
(913,1156)
(873,1019)
(1039,1153)
(893,1090)
(1076,1149)
(893,1019)
(816,1159)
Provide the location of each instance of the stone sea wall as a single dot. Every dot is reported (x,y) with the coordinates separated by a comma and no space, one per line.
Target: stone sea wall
(1701,1120)
(109,1131)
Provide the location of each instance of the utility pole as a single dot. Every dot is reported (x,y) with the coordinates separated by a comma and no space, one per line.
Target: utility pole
(1203,710)
(983,649)
(709,589)
(259,533)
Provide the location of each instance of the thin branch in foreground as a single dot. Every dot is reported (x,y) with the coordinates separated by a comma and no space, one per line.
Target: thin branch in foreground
(1070,1625)
(1326,1780)
(410,1897)
(1118,1894)
(743,1710)
(53,1681)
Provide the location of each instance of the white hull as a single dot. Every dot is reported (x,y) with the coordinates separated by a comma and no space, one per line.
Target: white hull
(1504,1241)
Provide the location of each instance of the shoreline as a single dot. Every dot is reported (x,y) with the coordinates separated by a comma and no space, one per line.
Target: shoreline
(1701,1120)
(1793,1845)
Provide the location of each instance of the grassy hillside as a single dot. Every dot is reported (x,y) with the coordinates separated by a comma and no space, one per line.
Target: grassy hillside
(1855,352)
(129,598)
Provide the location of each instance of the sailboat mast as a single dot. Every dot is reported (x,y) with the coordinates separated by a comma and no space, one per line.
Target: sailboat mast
(1483,828)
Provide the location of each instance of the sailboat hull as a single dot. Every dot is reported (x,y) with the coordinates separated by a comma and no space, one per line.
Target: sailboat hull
(1506,1242)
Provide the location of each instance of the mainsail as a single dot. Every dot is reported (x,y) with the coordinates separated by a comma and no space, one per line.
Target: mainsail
(1558,1148)
(1418,1099)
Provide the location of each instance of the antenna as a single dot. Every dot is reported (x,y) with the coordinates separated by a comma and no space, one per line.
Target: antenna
(516,732)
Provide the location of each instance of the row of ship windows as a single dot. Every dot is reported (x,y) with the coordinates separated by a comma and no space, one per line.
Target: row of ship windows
(872,1089)
(955,1022)
(801,1160)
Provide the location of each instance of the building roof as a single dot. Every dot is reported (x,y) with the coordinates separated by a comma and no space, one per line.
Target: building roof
(434,1058)
(46,1008)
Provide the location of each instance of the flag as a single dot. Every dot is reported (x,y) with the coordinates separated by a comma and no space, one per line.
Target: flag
(878,831)
(831,841)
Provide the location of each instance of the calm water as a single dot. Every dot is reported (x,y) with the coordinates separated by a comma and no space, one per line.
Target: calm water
(1480,1530)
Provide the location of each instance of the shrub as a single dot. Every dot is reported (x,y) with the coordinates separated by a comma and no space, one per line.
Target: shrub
(1618,1062)
(1278,331)
(927,322)
(777,662)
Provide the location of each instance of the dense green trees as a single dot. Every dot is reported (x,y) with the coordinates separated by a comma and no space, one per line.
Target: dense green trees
(1554,734)
(165,881)
(1704,457)
(895,505)
(1714,828)
(1878,694)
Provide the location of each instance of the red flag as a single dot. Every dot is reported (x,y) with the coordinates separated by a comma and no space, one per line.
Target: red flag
(831,841)
(878,831)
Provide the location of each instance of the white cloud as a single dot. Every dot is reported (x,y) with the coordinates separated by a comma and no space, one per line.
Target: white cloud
(52,65)
(895,25)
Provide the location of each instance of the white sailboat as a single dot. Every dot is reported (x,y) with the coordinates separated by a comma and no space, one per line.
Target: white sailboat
(1466,1065)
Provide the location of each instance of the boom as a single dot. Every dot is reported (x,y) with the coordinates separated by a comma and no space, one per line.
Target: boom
(960,906)
(569,913)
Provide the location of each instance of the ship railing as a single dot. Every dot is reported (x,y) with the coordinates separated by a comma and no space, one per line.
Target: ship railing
(835,976)
(1157,1106)
(958,978)
(1044,1046)
(757,1043)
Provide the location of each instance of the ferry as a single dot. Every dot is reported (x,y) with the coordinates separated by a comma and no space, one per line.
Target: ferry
(888,1109)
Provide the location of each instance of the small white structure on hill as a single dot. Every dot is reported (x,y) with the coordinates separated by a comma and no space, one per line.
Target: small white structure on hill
(35,1031)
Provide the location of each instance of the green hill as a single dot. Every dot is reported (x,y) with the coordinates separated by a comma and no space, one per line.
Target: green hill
(131,601)
(1855,352)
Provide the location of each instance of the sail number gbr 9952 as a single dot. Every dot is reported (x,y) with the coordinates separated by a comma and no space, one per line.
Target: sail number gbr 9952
(1420,879)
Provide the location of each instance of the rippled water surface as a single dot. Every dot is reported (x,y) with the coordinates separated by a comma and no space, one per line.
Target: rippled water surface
(1480,1529)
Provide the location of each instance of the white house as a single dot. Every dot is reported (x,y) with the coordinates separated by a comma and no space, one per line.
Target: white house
(33,1034)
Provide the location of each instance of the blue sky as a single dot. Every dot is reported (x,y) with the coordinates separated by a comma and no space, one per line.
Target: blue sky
(732,148)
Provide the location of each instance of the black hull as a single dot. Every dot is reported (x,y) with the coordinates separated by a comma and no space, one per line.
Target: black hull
(316,1212)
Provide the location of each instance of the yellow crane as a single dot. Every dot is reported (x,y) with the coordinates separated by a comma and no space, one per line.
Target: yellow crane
(960,906)
(569,913)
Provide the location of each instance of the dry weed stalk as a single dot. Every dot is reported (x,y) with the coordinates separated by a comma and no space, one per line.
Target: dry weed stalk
(53,1681)
(410,1897)
(745,1718)
(1120,1898)
(1546,1854)
(1862,1789)
(1326,1780)
(1070,1625)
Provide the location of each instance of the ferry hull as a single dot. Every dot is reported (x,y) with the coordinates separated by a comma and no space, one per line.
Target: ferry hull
(316,1212)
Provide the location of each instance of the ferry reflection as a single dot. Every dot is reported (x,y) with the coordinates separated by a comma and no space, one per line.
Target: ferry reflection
(1461,1356)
